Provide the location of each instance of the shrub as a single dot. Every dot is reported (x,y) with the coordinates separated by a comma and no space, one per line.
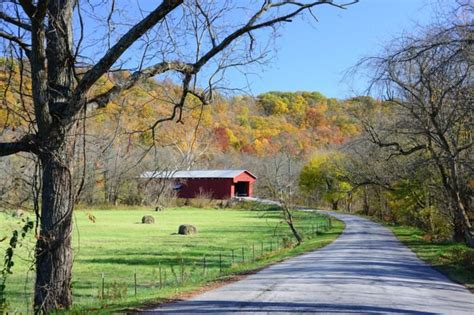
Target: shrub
(462,256)
(287,242)
(468,259)
(203,200)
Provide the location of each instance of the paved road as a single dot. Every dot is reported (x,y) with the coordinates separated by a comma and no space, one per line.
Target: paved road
(365,271)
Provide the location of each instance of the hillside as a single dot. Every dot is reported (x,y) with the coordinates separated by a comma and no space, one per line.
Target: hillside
(117,142)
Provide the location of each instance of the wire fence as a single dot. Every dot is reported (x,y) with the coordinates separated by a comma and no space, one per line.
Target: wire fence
(185,271)
(114,285)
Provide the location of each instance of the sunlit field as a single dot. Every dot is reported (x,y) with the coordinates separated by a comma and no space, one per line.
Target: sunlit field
(120,262)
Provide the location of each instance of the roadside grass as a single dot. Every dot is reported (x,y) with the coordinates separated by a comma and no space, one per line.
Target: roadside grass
(112,249)
(455,260)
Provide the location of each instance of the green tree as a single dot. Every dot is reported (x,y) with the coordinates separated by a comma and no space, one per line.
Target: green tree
(323,176)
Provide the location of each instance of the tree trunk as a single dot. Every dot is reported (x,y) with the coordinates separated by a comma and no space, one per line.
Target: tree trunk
(349,202)
(366,201)
(335,205)
(458,232)
(289,220)
(106,188)
(295,232)
(462,226)
(53,248)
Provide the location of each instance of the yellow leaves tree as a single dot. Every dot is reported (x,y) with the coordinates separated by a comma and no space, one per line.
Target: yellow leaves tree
(323,176)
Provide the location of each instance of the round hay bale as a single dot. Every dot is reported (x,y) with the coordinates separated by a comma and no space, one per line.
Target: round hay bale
(148,219)
(159,208)
(187,229)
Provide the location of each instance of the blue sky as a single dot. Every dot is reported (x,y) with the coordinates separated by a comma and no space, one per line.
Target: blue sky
(310,56)
(314,56)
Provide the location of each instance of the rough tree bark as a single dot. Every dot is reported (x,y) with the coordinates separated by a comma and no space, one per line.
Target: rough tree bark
(53,248)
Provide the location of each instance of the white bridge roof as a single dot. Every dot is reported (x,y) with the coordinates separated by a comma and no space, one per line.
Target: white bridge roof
(196,174)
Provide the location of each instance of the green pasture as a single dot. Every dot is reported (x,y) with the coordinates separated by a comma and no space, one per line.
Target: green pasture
(456,260)
(121,263)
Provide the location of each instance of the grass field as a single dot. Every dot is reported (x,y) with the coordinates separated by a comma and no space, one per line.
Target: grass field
(116,249)
(448,257)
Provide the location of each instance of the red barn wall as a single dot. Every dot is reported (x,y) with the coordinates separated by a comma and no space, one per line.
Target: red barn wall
(216,188)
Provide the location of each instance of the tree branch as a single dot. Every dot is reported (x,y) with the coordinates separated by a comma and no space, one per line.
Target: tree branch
(28,7)
(191,69)
(14,21)
(250,26)
(395,145)
(25,144)
(102,99)
(112,55)
(39,81)
(18,41)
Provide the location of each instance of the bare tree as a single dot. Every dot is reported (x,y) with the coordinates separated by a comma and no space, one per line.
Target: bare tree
(428,80)
(279,181)
(49,37)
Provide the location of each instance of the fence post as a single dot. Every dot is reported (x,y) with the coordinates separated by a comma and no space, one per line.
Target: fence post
(261,244)
(220,262)
(271,246)
(135,281)
(103,286)
(204,265)
(253,252)
(164,276)
(161,280)
(233,259)
(182,271)
(243,255)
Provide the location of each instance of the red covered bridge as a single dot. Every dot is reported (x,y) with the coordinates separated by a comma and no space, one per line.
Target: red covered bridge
(217,184)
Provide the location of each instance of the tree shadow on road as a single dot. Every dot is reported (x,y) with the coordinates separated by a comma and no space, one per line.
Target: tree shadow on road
(184,307)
